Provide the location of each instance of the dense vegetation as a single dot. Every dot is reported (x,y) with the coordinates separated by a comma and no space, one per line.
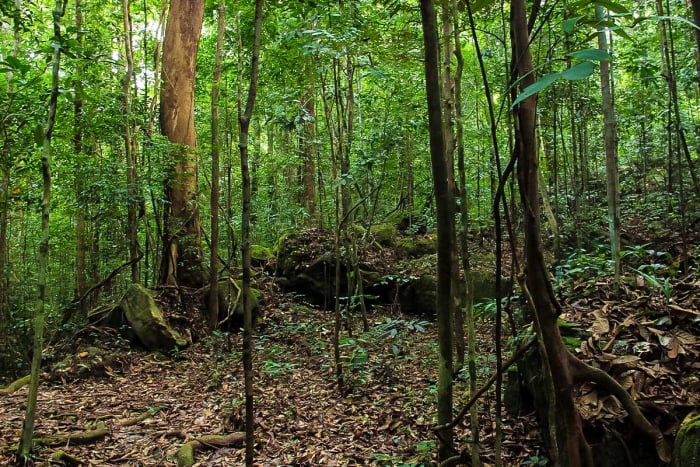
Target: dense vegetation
(337,146)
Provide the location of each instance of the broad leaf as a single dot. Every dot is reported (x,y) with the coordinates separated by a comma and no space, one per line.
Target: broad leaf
(612,6)
(591,54)
(536,87)
(580,71)
(568,24)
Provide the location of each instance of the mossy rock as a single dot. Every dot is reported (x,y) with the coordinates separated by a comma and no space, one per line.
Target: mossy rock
(484,285)
(416,247)
(228,293)
(147,320)
(384,234)
(260,255)
(686,448)
(419,295)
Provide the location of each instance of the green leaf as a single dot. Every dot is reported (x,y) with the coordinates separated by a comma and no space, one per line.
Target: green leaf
(536,87)
(568,24)
(675,18)
(612,6)
(591,54)
(481,4)
(577,72)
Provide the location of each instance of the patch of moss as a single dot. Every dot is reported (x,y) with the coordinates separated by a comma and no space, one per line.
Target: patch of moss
(411,247)
(572,343)
(384,234)
(686,449)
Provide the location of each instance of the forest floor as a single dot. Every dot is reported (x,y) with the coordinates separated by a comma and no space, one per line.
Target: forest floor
(646,334)
(152,405)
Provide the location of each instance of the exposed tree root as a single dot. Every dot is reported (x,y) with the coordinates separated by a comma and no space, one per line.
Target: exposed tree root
(185,455)
(67,459)
(15,385)
(139,418)
(100,430)
(475,397)
(85,437)
(582,372)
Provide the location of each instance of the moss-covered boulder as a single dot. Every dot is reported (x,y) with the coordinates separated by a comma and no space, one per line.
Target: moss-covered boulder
(418,295)
(260,255)
(147,320)
(416,247)
(484,284)
(686,449)
(231,302)
(384,234)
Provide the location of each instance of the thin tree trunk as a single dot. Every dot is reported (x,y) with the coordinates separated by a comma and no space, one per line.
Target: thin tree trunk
(244,126)
(610,138)
(468,306)
(25,445)
(308,147)
(669,72)
(448,99)
(215,151)
(445,214)
(80,227)
(130,147)
(695,5)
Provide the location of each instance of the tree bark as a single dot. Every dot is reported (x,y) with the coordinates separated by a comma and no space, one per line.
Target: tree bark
(610,139)
(182,260)
(215,152)
(25,445)
(445,214)
(130,147)
(570,441)
(308,147)
(244,126)
(695,5)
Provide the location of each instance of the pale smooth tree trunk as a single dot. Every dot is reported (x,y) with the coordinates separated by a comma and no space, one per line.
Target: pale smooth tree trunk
(610,139)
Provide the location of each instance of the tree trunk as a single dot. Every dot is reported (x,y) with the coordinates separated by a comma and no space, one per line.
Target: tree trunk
(130,147)
(445,215)
(80,234)
(569,435)
(468,305)
(244,126)
(308,147)
(610,138)
(25,445)
(669,73)
(215,151)
(695,5)
(448,99)
(182,261)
